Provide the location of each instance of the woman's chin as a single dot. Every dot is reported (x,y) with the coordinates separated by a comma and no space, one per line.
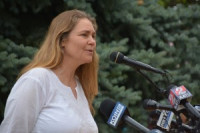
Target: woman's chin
(89,60)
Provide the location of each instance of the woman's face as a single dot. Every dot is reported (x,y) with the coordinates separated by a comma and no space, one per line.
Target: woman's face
(80,44)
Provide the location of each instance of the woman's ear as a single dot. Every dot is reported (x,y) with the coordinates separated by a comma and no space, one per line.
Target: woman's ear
(63,39)
(62,43)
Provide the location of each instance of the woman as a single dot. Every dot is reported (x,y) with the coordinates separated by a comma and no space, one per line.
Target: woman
(55,91)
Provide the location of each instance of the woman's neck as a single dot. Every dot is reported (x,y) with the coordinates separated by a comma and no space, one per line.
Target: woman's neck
(66,73)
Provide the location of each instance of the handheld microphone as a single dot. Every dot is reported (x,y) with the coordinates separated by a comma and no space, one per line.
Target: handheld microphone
(117,113)
(165,119)
(153,117)
(118,57)
(153,123)
(177,95)
(150,104)
(166,115)
(180,97)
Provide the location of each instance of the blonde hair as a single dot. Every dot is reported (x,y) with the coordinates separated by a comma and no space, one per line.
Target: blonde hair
(50,53)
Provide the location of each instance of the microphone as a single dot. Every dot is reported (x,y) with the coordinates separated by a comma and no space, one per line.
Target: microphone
(118,57)
(153,117)
(153,123)
(180,97)
(165,119)
(150,104)
(117,114)
(166,115)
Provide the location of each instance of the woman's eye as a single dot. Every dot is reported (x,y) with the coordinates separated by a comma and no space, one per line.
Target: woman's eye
(84,35)
(94,36)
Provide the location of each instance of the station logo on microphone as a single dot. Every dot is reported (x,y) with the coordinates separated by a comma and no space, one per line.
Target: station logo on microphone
(116,115)
(178,94)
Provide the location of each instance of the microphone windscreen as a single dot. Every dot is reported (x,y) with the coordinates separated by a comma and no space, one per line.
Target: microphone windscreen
(106,108)
(149,104)
(117,57)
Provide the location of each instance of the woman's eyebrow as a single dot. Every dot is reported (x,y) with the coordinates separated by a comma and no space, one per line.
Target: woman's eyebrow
(88,31)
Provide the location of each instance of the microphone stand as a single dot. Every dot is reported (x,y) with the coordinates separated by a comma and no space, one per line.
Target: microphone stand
(164,92)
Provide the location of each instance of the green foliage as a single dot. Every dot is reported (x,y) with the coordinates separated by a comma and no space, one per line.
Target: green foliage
(12,57)
(167,3)
(166,37)
(81,5)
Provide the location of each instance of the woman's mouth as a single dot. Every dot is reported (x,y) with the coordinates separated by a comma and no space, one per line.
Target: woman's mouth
(90,51)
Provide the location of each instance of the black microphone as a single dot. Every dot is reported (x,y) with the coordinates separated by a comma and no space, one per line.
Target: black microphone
(118,57)
(117,114)
(150,104)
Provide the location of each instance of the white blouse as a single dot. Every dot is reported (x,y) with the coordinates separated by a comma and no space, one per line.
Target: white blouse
(40,103)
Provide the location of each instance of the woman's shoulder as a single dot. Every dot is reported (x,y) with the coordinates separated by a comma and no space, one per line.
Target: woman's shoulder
(38,70)
(38,73)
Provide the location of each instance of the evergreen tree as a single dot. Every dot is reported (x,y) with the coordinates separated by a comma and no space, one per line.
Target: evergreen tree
(13,57)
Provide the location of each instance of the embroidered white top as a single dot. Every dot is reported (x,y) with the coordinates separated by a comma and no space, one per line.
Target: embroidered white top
(40,103)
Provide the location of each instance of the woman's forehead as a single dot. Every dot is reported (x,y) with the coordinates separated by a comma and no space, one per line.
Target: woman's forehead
(84,25)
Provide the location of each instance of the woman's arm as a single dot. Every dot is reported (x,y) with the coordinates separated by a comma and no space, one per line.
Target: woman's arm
(23,105)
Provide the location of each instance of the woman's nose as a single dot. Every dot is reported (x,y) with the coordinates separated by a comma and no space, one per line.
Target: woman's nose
(92,41)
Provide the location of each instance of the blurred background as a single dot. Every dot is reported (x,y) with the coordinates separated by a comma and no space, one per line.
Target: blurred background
(162,33)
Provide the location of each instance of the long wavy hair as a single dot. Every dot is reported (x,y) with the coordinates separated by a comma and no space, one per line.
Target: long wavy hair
(50,53)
